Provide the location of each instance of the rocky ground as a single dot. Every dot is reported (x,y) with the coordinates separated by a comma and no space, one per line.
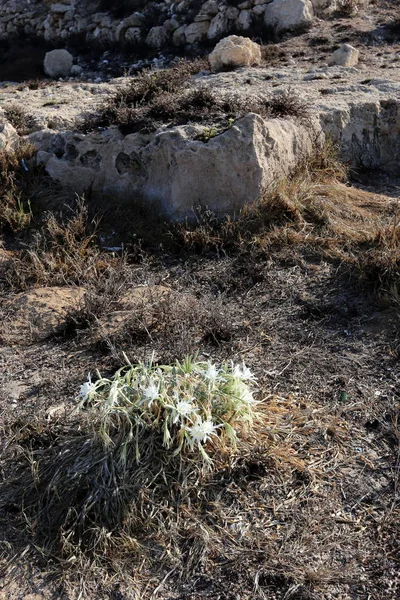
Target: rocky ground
(292,61)
(300,304)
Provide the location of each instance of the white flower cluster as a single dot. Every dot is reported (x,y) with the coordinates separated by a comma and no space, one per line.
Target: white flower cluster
(191,403)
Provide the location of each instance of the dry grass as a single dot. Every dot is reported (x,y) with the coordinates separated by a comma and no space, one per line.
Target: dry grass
(16,180)
(290,514)
(348,8)
(150,320)
(316,211)
(99,519)
(63,251)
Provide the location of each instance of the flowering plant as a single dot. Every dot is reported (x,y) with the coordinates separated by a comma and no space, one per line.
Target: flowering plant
(191,404)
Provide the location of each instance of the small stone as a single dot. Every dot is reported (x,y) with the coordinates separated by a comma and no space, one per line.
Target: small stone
(76,70)
(345,56)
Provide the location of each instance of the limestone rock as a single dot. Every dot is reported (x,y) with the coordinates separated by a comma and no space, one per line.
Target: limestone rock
(76,70)
(60,8)
(235,51)
(194,32)
(58,63)
(345,56)
(244,20)
(8,135)
(218,26)
(177,172)
(289,14)
(133,35)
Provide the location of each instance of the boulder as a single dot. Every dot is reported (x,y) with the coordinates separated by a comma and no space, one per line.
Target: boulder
(175,171)
(58,63)
(218,26)
(235,51)
(8,135)
(345,56)
(133,35)
(286,15)
(244,20)
(157,37)
(193,33)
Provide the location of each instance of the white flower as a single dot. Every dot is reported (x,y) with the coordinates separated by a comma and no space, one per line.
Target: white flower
(202,431)
(150,393)
(246,396)
(242,372)
(211,372)
(183,409)
(86,390)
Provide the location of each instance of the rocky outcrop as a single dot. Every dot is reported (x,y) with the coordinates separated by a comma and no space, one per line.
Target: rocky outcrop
(173,169)
(235,51)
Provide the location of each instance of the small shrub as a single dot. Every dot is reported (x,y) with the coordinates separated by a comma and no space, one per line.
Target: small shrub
(20,119)
(348,8)
(393,28)
(141,440)
(164,97)
(144,89)
(272,54)
(287,104)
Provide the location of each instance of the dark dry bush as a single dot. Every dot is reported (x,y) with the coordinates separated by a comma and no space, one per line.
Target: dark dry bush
(393,28)
(141,92)
(272,54)
(20,119)
(287,104)
(347,8)
(163,97)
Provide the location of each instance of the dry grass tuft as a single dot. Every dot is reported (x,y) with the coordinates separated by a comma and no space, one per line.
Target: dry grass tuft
(348,8)
(16,180)
(63,251)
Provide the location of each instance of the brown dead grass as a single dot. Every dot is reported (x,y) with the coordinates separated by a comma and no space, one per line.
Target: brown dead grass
(150,529)
(63,251)
(315,211)
(281,518)
(15,187)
